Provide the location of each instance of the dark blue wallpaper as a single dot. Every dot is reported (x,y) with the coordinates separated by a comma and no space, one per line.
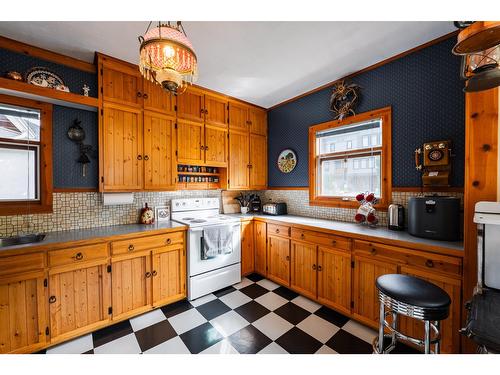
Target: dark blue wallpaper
(425,92)
(67,172)
(73,78)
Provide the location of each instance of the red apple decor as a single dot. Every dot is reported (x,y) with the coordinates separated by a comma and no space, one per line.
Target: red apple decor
(366,212)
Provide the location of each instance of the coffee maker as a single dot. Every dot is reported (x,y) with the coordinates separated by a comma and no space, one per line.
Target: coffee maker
(255,205)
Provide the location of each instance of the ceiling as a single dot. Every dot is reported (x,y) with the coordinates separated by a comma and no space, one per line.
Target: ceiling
(263,63)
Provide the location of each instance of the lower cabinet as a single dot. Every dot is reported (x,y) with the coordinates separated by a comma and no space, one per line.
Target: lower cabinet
(260,231)
(79,299)
(278,259)
(247,248)
(23,305)
(334,278)
(169,274)
(304,266)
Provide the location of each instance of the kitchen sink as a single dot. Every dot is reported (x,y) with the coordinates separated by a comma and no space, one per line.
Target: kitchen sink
(21,240)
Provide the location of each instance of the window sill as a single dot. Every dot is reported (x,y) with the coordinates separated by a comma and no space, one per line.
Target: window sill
(339,203)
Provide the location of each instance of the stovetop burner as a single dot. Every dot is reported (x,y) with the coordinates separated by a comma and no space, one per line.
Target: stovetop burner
(188,218)
(198,221)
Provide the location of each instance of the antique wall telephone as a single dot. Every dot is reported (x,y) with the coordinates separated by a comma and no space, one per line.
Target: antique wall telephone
(436,166)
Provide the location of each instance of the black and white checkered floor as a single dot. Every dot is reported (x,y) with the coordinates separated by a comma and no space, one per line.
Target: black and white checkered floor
(254,316)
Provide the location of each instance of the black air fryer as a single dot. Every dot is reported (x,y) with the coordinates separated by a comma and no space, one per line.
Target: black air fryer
(436,217)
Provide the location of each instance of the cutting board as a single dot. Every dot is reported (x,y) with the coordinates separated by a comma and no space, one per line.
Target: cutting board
(229,205)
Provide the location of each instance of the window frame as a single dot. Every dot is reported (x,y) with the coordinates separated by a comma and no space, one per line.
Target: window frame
(385,114)
(44,172)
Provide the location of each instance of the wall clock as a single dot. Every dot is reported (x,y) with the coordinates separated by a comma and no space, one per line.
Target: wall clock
(287,160)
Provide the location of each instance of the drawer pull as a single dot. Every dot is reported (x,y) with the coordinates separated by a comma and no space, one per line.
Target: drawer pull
(148,275)
(52,299)
(429,263)
(78,256)
(130,247)
(314,267)
(302,236)
(154,273)
(169,241)
(277,230)
(373,250)
(334,242)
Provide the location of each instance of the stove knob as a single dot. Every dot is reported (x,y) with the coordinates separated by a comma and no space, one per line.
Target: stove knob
(183,203)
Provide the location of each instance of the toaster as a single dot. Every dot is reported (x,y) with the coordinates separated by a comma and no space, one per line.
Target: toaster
(274,208)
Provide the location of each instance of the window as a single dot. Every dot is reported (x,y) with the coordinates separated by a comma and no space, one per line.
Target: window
(25,156)
(362,165)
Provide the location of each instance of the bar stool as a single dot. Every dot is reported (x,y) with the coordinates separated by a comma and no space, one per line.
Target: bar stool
(415,298)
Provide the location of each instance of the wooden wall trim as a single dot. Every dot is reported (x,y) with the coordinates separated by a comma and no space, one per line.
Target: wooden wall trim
(288,188)
(371,67)
(29,50)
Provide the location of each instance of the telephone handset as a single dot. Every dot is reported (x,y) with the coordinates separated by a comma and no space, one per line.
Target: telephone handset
(435,165)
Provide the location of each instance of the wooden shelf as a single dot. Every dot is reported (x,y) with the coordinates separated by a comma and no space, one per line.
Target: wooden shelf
(198,185)
(67,99)
(198,174)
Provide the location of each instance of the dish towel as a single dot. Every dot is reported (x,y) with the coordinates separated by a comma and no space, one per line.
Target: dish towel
(217,241)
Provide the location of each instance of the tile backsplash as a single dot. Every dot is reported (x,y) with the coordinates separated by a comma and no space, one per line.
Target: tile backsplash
(86,210)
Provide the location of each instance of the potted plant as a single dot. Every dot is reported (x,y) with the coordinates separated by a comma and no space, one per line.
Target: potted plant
(245,200)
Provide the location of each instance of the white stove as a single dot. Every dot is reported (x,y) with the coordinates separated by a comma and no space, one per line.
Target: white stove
(208,274)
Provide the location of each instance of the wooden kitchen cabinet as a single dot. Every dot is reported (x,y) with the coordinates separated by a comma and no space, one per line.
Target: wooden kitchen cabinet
(121,147)
(304,268)
(260,231)
(160,166)
(334,278)
(191,105)
(23,320)
(169,274)
(239,160)
(278,260)
(258,162)
(190,142)
(216,111)
(79,298)
(216,146)
(258,121)
(131,285)
(238,117)
(121,82)
(247,248)
(156,99)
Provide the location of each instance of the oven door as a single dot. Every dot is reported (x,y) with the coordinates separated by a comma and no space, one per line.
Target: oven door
(197,265)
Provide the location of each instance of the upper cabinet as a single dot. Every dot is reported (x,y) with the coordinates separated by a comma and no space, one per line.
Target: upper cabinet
(216,112)
(257,120)
(238,116)
(190,105)
(120,82)
(157,99)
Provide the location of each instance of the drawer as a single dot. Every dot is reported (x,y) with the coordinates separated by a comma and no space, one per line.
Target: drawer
(77,254)
(425,260)
(14,264)
(145,243)
(278,230)
(321,239)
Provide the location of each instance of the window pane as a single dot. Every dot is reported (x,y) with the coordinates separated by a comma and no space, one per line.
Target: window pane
(350,176)
(19,123)
(18,171)
(350,137)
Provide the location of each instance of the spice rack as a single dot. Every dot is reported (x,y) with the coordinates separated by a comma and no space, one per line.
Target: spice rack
(196,177)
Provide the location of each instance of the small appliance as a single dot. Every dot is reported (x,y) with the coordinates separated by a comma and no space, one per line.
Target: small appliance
(396,217)
(274,208)
(435,217)
(256,205)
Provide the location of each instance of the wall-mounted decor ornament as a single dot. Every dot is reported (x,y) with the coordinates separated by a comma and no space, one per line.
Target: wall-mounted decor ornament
(344,99)
(287,160)
(43,77)
(77,135)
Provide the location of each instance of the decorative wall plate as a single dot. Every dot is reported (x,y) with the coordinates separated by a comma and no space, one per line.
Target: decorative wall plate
(287,160)
(40,76)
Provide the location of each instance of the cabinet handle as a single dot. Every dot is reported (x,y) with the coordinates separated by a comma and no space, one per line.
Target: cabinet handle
(130,247)
(206,111)
(139,157)
(202,111)
(429,263)
(302,236)
(373,250)
(314,267)
(145,96)
(334,242)
(319,268)
(206,148)
(201,147)
(288,257)
(52,299)
(146,157)
(169,241)
(277,230)
(139,94)
(154,273)
(148,274)
(78,256)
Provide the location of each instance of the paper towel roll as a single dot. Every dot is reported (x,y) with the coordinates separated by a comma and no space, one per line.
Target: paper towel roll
(113,199)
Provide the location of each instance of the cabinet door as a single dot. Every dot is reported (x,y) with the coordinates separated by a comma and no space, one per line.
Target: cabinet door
(190,105)
(159,152)
(169,274)
(157,99)
(260,247)
(121,147)
(79,300)
(247,248)
(131,285)
(334,278)
(23,303)
(304,264)
(190,139)
(238,117)
(239,160)
(278,260)
(366,271)
(216,148)
(258,162)
(258,121)
(121,84)
(450,338)
(216,111)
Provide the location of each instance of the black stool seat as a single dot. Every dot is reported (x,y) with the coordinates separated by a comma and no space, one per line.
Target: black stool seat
(416,292)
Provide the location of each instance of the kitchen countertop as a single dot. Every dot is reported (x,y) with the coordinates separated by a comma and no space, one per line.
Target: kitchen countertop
(360,230)
(98,233)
